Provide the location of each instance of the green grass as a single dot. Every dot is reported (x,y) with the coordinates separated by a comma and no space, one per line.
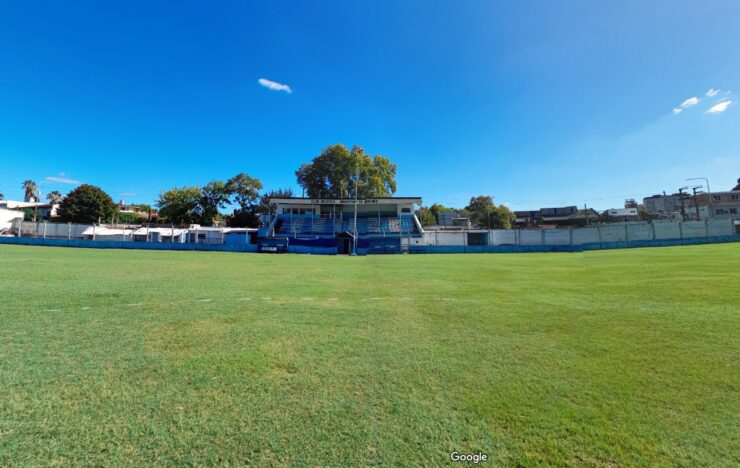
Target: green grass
(624,357)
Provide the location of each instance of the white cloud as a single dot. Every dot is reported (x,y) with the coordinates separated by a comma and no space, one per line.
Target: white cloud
(63,180)
(719,107)
(275,86)
(677,110)
(712,92)
(692,101)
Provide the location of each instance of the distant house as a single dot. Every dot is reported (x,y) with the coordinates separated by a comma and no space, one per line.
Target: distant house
(565,216)
(453,220)
(621,215)
(42,210)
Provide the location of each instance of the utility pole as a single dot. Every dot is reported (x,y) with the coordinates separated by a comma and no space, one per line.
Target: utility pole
(709,194)
(696,200)
(681,195)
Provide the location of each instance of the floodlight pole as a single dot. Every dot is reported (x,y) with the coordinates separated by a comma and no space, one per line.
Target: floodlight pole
(709,194)
(357,170)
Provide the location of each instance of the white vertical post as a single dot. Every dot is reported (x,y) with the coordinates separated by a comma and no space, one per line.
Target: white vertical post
(93,232)
(69,231)
(44,229)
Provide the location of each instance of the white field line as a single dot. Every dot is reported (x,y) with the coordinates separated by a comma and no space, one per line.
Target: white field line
(266,298)
(134,304)
(51,310)
(245,299)
(204,300)
(308,298)
(86,308)
(332,299)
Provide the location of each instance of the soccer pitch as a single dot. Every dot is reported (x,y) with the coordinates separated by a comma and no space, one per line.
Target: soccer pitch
(623,357)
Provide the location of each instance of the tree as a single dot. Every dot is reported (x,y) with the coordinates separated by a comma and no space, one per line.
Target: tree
(87,204)
(213,196)
(264,204)
(180,205)
(426,218)
(30,190)
(737,187)
(54,197)
(485,213)
(337,171)
(245,190)
(144,208)
(2,196)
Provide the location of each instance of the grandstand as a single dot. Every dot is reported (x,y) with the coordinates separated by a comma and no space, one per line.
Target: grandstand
(342,226)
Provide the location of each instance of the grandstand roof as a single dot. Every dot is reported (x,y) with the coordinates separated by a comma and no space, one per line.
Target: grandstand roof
(343,201)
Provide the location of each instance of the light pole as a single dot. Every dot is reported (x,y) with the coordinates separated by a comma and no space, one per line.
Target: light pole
(354,240)
(709,194)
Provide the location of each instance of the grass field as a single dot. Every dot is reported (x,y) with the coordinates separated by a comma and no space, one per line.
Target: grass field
(623,357)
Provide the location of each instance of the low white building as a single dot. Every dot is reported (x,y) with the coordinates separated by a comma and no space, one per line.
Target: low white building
(100,233)
(160,234)
(7,218)
(43,210)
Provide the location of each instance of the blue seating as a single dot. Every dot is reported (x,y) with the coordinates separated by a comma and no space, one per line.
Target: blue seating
(365,225)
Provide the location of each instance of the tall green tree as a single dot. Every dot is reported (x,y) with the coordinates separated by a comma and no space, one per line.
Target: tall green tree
(54,197)
(264,204)
(337,171)
(737,187)
(426,218)
(180,205)
(213,196)
(484,213)
(87,204)
(245,190)
(30,190)
(428,215)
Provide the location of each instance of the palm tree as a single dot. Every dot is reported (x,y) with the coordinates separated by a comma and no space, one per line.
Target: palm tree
(54,197)
(31,190)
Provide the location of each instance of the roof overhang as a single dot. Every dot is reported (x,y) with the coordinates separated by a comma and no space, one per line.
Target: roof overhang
(344,201)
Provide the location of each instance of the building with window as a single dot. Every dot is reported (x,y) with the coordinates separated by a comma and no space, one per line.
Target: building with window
(721,205)
(663,206)
(565,216)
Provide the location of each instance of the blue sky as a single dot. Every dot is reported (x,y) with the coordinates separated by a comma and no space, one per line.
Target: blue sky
(535,103)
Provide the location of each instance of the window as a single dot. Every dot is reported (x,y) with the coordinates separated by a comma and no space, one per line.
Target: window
(733,210)
(405,210)
(735,196)
(716,197)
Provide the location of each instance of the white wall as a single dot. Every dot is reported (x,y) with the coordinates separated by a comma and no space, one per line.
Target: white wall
(557,236)
(637,231)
